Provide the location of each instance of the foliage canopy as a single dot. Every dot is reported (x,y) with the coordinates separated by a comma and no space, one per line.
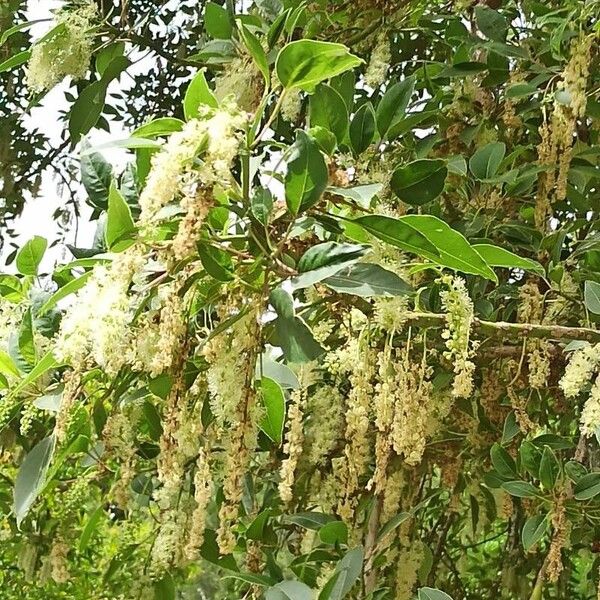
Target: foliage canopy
(337,334)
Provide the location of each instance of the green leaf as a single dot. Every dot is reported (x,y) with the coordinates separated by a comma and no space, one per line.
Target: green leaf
(216,262)
(484,164)
(45,364)
(420,181)
(549,468)
(7,365)
(309,520)
(346,573)
(306,63)
(533,531)
(587,487)
(105,56)
(30,255)
(217,22)
(164,588)
(119,222)
(427,593)
(90,527)
(292,334)
(491,23)
(297,341)
(282,374)
(511,428)
(307,175)
(158,127)
(197,94)
(274,404)
(362,128)
(530,458)
(324,139)
(503,462)
(454,250)
(88,107)
(324,260)
(261,204)
(64,291)
(397,233)
(256,529)
(591,296)
(334,532)
(129,143)
(495,256)
(361,194)
(15,61)
(25,340)
(52,400)
(392,107)
(521,489)
(289,590)
(328,110)
(96,175)
(18,27)
(31,477)
(366,280)
(252,578)
(256,51)
(520,90)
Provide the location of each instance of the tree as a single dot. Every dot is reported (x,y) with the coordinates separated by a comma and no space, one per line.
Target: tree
(338,335)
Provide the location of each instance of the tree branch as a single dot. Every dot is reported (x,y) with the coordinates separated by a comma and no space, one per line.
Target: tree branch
(500,329)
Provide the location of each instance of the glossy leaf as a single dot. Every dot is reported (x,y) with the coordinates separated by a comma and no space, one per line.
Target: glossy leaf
(587,487)
(362,128)
(484,164)
(274,406)
(324,260)
(366,280)
(216,21)
(427,593)
(306,63)
(454,250)
(31,476)
(533,531)
(120,227)
(420,181)
(96,175)
(328,110)
(392,107)
(197,94)
(307,175)
(289,590)
(495,256)
(346,574)
(30,255)
(592,296)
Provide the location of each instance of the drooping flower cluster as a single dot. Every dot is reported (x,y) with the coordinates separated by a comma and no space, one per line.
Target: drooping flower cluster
(531,310)
(557,134)
(357,452)
(65,51)
(580,369)
(241,82)
(293,445)
(459,316)
(379,62)
(579,372)
(213,136)
(95,326)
